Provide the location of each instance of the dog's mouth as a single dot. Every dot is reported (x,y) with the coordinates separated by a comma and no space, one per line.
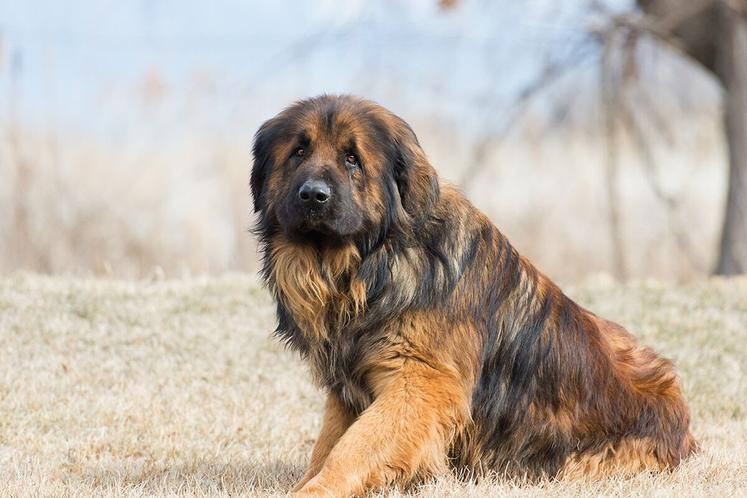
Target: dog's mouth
(317,232)
(313,225)
(330,227)
(320,229)
(317,235)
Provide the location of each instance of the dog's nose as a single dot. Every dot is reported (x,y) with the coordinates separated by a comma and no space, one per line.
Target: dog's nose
(315,192)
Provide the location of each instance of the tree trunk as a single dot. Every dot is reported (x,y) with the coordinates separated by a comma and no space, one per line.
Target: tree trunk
(732,69)
(610,95)
(717,39)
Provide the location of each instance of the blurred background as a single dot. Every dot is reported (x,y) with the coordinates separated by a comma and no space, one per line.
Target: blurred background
(602,137)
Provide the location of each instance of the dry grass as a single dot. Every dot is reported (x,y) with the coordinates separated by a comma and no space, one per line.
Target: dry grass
(176,388)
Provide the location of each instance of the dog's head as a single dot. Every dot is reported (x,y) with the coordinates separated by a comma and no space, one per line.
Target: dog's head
(331,168)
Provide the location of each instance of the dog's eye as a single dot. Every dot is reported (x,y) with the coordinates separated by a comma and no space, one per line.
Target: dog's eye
(300,151)
(352,160)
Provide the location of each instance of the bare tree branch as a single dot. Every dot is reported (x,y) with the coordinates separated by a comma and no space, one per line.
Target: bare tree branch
(609,93)
(662,27)
(550,75)
(670,203)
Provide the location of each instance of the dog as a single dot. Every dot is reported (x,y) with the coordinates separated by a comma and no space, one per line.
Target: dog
(438,346)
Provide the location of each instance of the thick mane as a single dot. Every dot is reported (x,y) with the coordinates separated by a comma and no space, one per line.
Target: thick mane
(317,287)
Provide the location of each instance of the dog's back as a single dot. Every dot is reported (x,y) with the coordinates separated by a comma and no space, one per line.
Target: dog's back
(558,390)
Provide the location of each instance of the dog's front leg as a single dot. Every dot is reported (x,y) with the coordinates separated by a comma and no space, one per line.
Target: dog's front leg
(405,432)
(337,419)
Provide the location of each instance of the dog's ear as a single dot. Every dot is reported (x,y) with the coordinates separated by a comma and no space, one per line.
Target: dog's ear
(416,179)
(262,154)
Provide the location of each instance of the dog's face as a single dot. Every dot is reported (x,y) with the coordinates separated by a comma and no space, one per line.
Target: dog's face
(334,167)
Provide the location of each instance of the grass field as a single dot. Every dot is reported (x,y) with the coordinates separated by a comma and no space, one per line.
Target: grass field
(176,388)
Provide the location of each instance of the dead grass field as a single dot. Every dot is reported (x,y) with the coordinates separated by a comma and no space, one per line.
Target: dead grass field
(176,388)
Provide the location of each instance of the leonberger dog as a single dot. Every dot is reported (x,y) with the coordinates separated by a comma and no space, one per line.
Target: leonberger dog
(438,346)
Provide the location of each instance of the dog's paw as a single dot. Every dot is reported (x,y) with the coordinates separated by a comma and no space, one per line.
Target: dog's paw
(312,489)
(312,492)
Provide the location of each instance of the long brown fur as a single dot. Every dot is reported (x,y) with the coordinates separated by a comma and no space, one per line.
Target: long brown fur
(438,345)
(307,282)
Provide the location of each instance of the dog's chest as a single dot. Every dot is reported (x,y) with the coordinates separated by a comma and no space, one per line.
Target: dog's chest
(354,396)
(340,367)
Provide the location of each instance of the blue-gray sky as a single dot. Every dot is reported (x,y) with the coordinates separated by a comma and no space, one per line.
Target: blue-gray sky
(76,63)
